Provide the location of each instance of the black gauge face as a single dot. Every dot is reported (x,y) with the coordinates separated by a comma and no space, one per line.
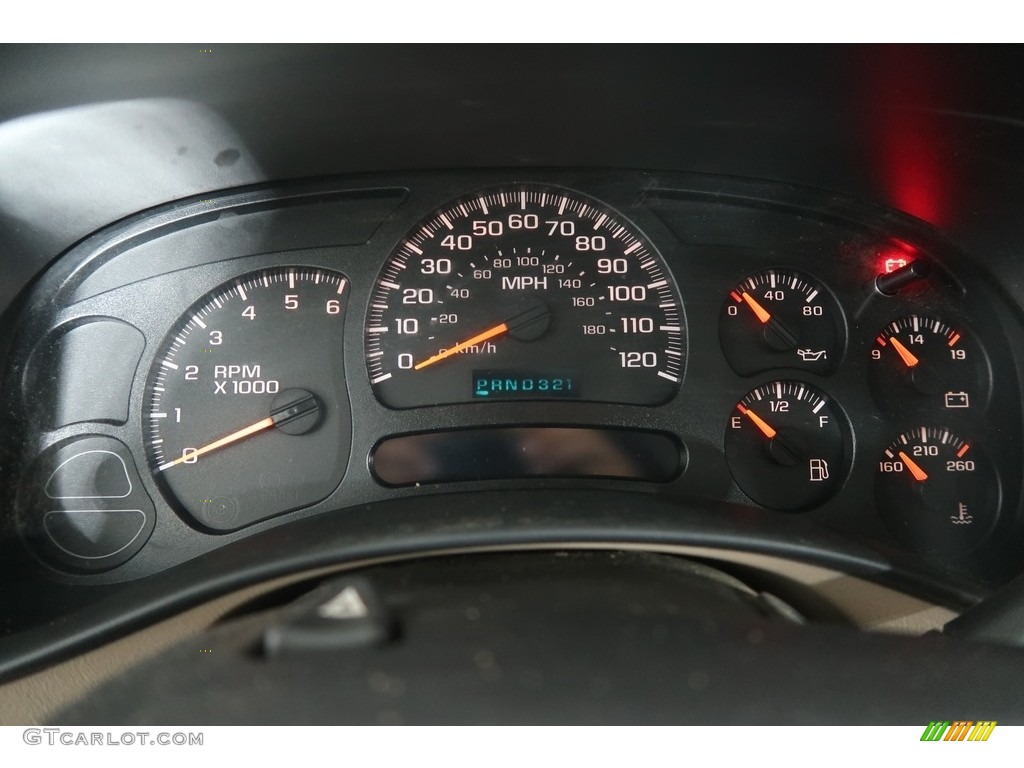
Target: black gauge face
(525,292)
(923,363)
(781,318)
(246,414)
(787,446)
(936,491)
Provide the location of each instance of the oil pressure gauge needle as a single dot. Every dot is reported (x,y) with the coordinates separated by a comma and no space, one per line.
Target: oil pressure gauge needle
(294,411)
(787,337)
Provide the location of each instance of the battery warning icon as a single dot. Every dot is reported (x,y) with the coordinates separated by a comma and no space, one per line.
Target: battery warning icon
(957,400)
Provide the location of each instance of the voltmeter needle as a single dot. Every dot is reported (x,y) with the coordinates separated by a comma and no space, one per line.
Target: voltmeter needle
(908,357)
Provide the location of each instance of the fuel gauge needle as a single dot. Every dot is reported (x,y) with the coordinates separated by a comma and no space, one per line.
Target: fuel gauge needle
(766,429)
(234,437)
(919,474)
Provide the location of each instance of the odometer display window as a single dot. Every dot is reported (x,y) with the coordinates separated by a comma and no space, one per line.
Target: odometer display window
(526,283)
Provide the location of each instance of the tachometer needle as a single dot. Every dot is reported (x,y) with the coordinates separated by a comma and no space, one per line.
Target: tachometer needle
(252,429)
(761,424)
(919,474)
(762,314)
(908,357)
(480,338)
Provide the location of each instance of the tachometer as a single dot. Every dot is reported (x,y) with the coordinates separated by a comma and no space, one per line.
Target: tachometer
(247,415)
(525,292)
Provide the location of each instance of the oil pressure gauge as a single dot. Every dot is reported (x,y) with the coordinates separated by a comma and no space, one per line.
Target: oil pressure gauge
(787,445)
(781,318)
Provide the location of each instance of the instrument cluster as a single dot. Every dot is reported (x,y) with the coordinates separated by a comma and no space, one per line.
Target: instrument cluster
(196,374)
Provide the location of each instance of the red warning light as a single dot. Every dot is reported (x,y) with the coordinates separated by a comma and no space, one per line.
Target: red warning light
(896,255)
(892,263)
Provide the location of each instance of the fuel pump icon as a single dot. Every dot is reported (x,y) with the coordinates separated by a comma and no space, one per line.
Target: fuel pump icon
(818,470)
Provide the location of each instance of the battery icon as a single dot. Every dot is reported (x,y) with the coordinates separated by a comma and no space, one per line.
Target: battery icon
(957,400)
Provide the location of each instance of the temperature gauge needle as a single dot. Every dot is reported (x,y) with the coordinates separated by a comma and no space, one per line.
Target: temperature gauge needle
(919,474)
(908,357)
(480,338)
(766,428)
(252,429)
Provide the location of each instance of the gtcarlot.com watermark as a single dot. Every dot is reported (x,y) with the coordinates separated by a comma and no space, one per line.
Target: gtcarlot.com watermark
(63,737)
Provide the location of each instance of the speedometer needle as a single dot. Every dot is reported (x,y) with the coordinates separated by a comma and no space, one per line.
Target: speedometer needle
(252,429)
(490,333)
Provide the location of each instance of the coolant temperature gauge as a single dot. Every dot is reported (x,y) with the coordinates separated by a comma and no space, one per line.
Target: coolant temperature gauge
(780,318)
(787,445)
(922,362)
(936,491)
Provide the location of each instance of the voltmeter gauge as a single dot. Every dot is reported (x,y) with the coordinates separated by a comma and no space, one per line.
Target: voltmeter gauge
(936,491)
(781,318)
(787,445)
(922,362)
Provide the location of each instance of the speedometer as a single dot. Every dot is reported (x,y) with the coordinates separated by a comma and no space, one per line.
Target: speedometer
(525,292)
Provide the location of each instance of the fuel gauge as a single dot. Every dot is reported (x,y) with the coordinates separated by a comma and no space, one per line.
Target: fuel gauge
(787,445)
(780,318)
(923,362)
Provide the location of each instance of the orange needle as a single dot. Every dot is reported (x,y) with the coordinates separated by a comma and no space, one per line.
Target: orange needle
(908,357)
(252,429)
(763,425)
(490,333)
(919,474)
(762,314)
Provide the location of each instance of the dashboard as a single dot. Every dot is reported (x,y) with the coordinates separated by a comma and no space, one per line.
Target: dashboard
(814,388)
(224,366)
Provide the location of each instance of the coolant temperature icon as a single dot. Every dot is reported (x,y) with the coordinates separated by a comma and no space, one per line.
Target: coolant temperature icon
(962,518)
